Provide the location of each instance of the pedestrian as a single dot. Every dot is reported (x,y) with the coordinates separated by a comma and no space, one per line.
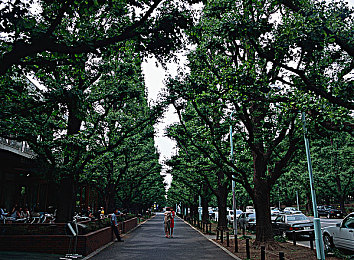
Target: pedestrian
(114,225)
(167,222)
(173,214)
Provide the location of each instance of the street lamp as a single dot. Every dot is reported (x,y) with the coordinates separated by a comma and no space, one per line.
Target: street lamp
(316,220)
(233,187)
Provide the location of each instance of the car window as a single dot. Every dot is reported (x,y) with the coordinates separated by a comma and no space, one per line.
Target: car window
(296,218)
(278,219)
(349,222)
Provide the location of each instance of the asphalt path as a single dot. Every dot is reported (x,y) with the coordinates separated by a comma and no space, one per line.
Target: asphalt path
(324,223)
(149,242)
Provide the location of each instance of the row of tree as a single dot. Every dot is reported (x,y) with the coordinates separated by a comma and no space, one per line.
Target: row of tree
(256,66)
(88,120)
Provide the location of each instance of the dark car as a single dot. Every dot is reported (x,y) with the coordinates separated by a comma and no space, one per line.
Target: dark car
(284,225)
(329,212)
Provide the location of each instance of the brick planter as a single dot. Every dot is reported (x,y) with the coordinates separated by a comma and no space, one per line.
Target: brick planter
(60,244)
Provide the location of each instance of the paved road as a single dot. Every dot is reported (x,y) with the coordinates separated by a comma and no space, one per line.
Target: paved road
(324,223)
(149,242)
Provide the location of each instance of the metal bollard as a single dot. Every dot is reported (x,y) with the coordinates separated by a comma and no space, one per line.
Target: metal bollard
(222,236)
(217,234)
(262,252)
(248,248)
(311,241)
(243,230)
(294,237)
(236,243)
(227,238)
(281,255)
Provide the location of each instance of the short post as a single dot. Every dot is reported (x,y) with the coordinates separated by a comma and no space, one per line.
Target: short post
(281,255)
(311,241)
(262,252)
(243,230)
(217,234)
(248,248)
(236,243)
(227,238)
(222,236)
(294,237)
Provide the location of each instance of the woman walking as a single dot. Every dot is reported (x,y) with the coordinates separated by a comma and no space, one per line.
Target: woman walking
(173,214)
(167,222)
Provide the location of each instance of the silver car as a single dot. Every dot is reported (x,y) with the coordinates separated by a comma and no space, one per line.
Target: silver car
(341,235)
(247,220)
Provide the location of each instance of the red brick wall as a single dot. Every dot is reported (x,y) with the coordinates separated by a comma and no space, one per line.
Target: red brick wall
(59,244)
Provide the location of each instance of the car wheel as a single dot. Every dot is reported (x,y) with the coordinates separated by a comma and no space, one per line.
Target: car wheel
(327,241)
(328,216)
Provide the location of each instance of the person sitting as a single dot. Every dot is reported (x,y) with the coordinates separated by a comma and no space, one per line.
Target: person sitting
(88,212)
(2,214)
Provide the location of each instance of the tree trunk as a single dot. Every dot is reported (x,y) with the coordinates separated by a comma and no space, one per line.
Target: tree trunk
(67,198)
(264,231)
(205,215)
(222,202)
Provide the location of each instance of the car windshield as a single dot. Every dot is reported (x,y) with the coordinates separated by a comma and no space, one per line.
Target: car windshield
(238,211)
(296,218)
(252,215)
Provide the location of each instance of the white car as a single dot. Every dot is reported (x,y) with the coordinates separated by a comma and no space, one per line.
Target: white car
(250,209)
(230,215)
(341,235)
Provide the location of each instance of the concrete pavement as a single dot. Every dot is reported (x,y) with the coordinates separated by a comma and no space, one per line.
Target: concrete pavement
(149,242)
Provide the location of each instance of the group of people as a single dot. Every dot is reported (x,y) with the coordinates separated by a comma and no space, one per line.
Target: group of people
(16,214)
(169,222)
(97,214)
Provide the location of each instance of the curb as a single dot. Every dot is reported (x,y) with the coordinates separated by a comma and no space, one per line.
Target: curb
(217,244)
(112,242)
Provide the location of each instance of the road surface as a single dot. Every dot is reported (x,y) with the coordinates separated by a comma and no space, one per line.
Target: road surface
(149,242)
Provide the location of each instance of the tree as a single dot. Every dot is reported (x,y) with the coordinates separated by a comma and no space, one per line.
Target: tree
(67,123)
(49,32)
(193,167)
(229,71)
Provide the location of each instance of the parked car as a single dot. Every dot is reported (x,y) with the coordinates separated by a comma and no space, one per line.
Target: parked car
(250,209)
(341,235)
(291,210)
(285,224)
(247,220)
(329,212)
(274,212)
(214,214)
(230,215)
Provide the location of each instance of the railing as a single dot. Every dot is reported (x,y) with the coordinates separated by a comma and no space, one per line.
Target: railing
(20,148)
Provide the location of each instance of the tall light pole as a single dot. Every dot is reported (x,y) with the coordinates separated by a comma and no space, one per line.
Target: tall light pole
(316,220)
(233,187)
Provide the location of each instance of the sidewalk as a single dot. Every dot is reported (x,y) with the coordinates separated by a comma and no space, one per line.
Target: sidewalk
(149,242)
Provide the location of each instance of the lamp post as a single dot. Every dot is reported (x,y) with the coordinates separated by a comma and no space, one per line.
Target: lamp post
(233,187)
(316,221)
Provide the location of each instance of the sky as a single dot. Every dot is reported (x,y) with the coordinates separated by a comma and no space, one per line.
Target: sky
(154,81)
